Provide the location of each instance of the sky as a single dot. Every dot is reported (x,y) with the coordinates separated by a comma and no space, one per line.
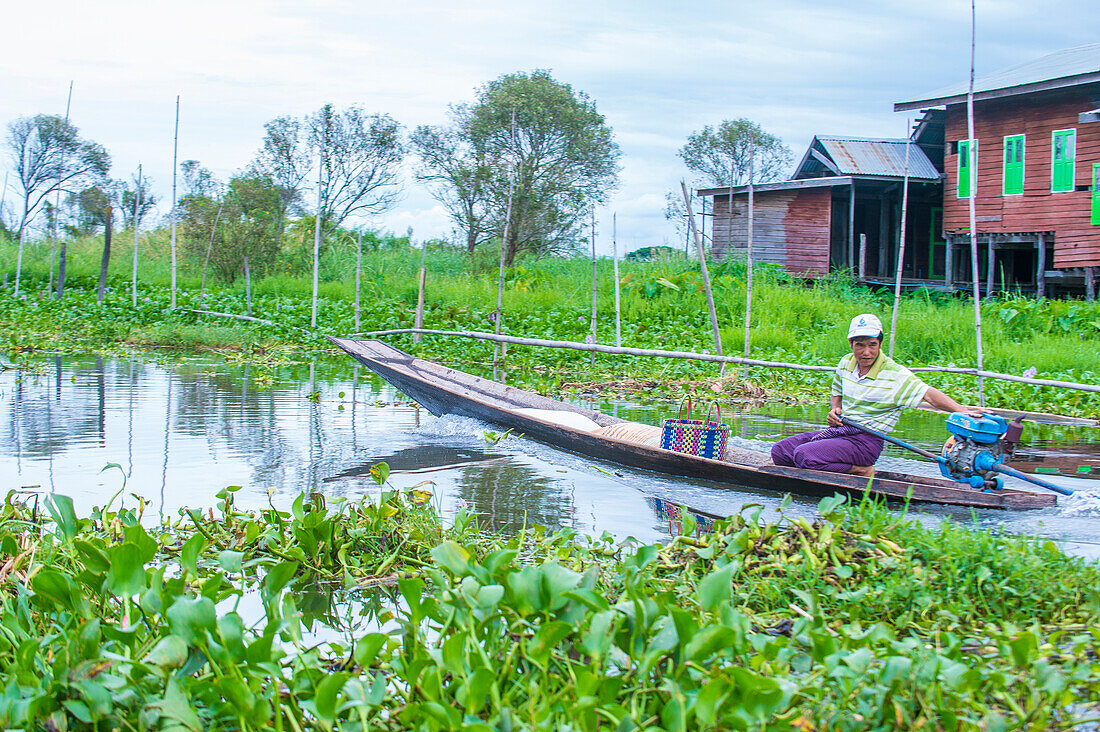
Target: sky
(657,70)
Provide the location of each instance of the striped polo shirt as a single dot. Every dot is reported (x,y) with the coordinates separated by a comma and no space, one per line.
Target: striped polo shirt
(876,398)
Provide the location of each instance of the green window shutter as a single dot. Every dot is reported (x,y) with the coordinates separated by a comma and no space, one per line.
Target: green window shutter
(1013,165)
(1096,193)
(1063,157)
(965,170)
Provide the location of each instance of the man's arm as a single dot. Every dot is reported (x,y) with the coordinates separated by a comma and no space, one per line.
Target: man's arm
(834,412)
(941,401)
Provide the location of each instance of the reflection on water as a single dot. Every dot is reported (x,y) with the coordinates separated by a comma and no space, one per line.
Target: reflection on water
(180,431)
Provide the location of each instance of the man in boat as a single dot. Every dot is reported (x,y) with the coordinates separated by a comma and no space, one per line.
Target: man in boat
(868,387)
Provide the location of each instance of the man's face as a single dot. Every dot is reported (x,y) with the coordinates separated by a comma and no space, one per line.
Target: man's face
(866,351)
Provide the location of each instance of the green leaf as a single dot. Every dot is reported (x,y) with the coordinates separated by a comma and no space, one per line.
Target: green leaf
(54,586)
(451,556)
(328,691)
(278,576)
(367,648)
(230,561)
(176,707)
(539,648)
(827,507)
(189,555)
(95,560)
(126,577)
(716,588)
(169,653)
(380,472)
(478,687)
(188,617)
(61,510)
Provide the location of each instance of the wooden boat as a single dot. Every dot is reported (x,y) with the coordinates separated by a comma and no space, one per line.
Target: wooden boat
(443,390)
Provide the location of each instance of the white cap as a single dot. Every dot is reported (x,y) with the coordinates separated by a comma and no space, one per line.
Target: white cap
(865,326)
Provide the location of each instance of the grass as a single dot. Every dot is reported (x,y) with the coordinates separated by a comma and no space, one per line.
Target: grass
(662,305)
(863,619)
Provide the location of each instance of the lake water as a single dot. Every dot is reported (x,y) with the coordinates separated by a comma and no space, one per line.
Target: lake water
(178,430)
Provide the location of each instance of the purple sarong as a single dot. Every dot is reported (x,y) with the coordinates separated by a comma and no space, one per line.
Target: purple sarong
(835,449)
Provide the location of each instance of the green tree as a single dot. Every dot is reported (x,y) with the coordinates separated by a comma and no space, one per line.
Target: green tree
(558,161)
(713,153)
(458,176)
(248,217)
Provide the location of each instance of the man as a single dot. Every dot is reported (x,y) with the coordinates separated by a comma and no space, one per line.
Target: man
(870,388)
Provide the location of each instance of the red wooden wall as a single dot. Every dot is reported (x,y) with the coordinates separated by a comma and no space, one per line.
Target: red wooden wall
(790,227)
(1067,214)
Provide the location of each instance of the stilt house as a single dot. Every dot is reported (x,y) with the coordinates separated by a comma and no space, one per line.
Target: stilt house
(1036,159)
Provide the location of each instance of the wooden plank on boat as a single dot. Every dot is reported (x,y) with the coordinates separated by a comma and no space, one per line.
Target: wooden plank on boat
(443,390)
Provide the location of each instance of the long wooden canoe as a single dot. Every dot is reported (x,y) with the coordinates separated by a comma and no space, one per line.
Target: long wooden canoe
(443,390)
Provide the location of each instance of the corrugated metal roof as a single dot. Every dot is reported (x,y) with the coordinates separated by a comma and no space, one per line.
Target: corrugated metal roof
(867,156)
(1081,61)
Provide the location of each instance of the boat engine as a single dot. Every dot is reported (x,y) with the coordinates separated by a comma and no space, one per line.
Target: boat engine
(978,448)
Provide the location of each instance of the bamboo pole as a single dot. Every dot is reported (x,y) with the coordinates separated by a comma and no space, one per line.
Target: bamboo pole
(615,260)
(317,240)
(172,214)
(3,196)
(419,321)
(748,263)
(137,201)
(595,283)
(106,260)
(247,289)
(499,315)
(972,152)
(706,274)
(234,316)
(359,275)
(692,356)
(57,215)
(901,242)
(209,248)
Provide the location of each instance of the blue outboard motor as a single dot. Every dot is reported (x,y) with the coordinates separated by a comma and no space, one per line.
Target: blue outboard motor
(976,450)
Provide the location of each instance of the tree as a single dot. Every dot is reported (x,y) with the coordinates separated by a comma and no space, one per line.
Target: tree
(49,154)
(559,161)
(90,206)
(360,155)
(197,180)
(249,226)
(284,157)
(712,153)
(128,191)
(458,175)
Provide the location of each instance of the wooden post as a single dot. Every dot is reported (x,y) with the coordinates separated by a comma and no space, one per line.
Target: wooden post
(247,289)
(172,211)
(748,263)
(703,267)
(209,248)
(57,215)
(317,239)
(358,276)
(901,242)
(1041,267)
(1090,284)
(883,238)
(137,200)
(595,284)
(107,231)
(851,226)
(419,320)
(973,167)
(862,257)
(615,264)
(990,265)
(949,263)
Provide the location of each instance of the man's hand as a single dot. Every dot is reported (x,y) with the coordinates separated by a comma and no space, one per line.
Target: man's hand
(834,417)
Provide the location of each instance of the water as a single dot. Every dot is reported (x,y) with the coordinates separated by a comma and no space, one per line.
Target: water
(179,430)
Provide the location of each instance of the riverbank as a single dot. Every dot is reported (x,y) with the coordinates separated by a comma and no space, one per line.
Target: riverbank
(861,619)
(662,307)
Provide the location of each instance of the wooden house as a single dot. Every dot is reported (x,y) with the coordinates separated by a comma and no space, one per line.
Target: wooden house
(841,210)
(1034,167)
(1036,171)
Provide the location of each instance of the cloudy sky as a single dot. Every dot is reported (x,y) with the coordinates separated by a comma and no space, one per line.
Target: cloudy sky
(656,70)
